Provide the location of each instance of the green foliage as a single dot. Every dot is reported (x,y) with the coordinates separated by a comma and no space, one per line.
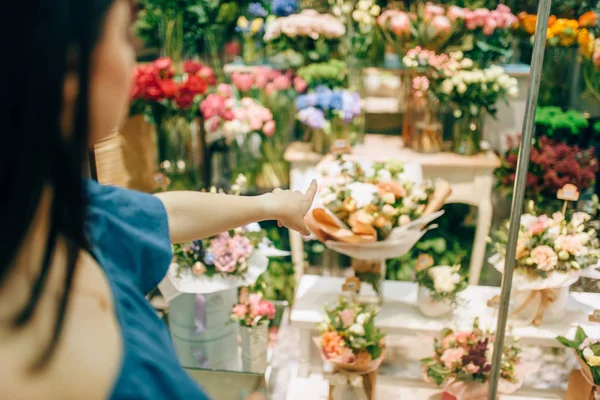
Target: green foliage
(331,74)
(567,126)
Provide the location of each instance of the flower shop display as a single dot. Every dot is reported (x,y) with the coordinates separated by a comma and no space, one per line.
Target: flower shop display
(328,115)
(201,287)
(552,165)
(298,39)
(253,315)
(372,213)
(438,287)
(352,349)
(551,252)
(252,29)
(461,364)
(170,94)
(585,383)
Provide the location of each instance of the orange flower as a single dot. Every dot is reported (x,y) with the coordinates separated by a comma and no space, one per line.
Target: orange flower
(363,358)
(332,344)
(588,19)
(586,43)
(528,22)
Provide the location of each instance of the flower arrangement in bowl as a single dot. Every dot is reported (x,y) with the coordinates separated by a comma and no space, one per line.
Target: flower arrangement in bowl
(587,350)
(297,39)
(551,251)
(253,315)
(461,364)
(350,342)
(372,213)
(438,287)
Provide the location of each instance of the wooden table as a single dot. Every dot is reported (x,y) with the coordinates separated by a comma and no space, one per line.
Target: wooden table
(471,179)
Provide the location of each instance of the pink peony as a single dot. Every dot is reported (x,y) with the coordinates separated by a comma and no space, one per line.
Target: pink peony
(266,308)
(269,128)
(441,24)
(225,259)
(433,10)
(299,84)
(452,356)
(490,26)
(455,12)
(240,310)
(571,244)
(242,246)
(224,90)
(243,82)
(544,257)
(347,316)
(400,23)
(282,82)
(221,240)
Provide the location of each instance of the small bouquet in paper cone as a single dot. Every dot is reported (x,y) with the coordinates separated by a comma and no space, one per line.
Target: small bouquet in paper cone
(352,350)
(551,253)
(461,365)
(375,213)
(584,384)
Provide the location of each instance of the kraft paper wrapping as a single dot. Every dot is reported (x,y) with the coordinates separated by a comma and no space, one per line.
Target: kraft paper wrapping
(139,153)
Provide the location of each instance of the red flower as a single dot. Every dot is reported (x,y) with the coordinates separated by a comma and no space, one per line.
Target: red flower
(163,64)
(169,87)
(192,67)
(208,74)
(154,92)
(233,48)
(196,84)
(184,98)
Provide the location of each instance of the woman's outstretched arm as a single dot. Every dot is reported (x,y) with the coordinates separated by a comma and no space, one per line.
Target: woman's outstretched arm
(196,215)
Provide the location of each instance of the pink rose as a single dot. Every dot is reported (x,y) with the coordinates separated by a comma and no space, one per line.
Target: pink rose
(242,246)
(224,90)
(240,113)
(441,24)
(240,310)
(455,12)
(544,257)
(502,8)
(470,20)
(452,356)
(261,81)
(266,308)
(243,82)
(282,82)
(225,260)
(462,338)
(489,27)
(219,241)
(347,316)
(539,225)
(270,88)
(269,128)
(299,84)
(471,368)
(433,10)
(400,24)
(256,123)
(571,244)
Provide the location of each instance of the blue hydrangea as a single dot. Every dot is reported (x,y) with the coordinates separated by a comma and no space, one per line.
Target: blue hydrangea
(283,8)
(302,102)
(337,101)
(209,259)
(257,10)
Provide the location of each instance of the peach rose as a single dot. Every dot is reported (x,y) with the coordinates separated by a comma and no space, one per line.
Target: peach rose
(452,356)
(544,257)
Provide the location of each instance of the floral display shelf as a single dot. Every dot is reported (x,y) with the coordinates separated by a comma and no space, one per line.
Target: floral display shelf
(471,178)
(399,313)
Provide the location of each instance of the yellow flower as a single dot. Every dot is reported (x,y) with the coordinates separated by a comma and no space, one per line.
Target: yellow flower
(256,25)
(528,22)
(586,42)
(242,22)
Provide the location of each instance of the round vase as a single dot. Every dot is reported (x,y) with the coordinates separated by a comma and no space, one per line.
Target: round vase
(431,308)
(467,134)
(254,347)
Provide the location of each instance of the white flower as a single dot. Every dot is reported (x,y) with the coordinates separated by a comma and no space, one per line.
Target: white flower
(389,198)
(457,113)
(362,193)
(504,80)
(513,92)
(384,175)
(404,220)
(362,318)
(579,218)
(447,86)
(553,232)
(588,354)
(346,8)
(457,79)
(375,10)
(329,198)
(462,88)
(337,11)
(527,220)
(445,278)
(457,55)
(466,63)
(388,210)
(357,330)
(496,87)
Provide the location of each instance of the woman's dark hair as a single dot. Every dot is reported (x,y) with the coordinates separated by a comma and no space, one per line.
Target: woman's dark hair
(46,39)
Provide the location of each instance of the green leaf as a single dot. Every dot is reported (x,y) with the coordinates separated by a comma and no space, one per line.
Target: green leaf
(580,335)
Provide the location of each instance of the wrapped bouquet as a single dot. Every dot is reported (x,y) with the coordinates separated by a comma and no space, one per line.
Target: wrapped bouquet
(551,252)
(352,349)
(461,364)
(588,354)
(438,286)
(374,213)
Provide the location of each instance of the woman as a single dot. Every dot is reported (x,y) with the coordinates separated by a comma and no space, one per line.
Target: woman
(76,258)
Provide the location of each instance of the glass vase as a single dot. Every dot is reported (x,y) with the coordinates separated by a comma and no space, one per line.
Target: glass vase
(254,342)
(467,134)
(251,50)
(180,152)
(172,36)
(371,273)
(213,50)
(334,137)
(428,127)
(246,158)
(560,77)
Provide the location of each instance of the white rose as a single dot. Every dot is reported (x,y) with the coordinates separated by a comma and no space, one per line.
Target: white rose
(466,63)
(384,175)
(362,193)
(389,198)
(388,210)
(503,80)
(513,92)
(362,318)
(447,86)
(357,330)
(462,88)
(375,10)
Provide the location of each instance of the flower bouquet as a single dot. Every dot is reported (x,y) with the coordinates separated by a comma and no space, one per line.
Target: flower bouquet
(438,287)
(253,315)
(551,251)
(587,351)
(352,350)
(373,213)
(252,27)
(461,364)
(307,34)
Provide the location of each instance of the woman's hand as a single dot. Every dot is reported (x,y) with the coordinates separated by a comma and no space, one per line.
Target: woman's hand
(289,208)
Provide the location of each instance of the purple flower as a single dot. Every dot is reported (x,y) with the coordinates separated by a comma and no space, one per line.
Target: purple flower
(312,117)
(257,10)
(209,259)
(225,259)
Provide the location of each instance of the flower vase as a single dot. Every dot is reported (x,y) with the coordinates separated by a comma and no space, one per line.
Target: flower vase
(251,50)
(213,47)
(406,102)
(371,272)
(254,348)
(247,157)
(172,36)
(335,135)
(180,152)
(432,308)
(559,85)
(427,135)
(467,133)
